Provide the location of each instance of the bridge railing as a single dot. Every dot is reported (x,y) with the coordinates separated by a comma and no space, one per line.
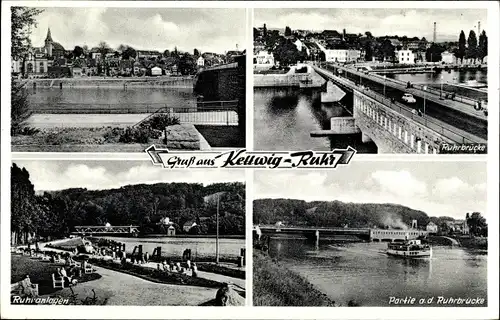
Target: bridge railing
(442,128)
(449,132)
(429,90)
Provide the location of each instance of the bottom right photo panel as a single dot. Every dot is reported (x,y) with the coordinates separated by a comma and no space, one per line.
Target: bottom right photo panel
(372,234)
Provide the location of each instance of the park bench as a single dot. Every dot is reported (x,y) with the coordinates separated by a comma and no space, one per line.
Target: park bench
(57,282)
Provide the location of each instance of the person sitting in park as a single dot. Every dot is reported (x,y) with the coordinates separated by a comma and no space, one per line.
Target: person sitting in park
(188,264)
(194,270)
(67,279)
(28,288)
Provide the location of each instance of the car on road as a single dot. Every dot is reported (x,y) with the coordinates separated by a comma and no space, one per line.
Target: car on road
(408,98)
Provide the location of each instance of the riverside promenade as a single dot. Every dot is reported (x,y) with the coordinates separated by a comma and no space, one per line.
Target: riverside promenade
(118,288)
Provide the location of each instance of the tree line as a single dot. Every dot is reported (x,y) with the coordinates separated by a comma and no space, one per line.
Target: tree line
(354,215)
(381,48)
(55,214)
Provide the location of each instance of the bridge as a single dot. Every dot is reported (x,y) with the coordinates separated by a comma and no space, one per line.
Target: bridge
(395,127)
(361,234)
(106,230)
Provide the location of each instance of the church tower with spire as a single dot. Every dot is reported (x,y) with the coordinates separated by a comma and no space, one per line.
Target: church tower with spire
(48,44)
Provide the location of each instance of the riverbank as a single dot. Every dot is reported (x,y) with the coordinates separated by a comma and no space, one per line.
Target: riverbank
(473,242)
(275,285)
(292,78)
(102,82)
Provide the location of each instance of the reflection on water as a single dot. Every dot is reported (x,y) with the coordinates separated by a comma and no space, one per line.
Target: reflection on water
(453,76)
(170,246)
(364,273)
(285,117)
(170,97)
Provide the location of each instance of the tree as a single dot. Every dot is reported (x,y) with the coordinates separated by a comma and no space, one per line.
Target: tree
(24,208)
(472,46)
(166,53)
(196,53)
(22,19)
(477,224)
(368,51)
(77,52)
(369,35)
(264,31)
(187,64)
(286,53)
(460,52)
(433,54)
(386,51)
(128,53)
(103,48)
(483,46)
(288,31)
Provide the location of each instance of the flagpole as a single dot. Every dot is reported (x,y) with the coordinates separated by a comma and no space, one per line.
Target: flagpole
(217,236)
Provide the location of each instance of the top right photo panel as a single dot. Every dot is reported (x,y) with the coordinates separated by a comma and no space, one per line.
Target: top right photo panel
(377,80)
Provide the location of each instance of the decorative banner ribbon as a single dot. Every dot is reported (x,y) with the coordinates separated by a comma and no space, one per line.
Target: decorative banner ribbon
(250,159)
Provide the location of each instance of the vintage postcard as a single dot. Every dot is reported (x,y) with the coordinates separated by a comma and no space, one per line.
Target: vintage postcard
(378,80)
(119,79)
(126,234)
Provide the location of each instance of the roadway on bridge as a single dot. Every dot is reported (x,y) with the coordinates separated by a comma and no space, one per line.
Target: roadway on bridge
(457,119)
(452,133)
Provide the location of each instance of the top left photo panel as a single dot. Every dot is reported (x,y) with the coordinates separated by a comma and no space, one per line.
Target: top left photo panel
(121,79)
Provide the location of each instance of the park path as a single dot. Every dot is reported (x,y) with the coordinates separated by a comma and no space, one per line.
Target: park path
(123,289)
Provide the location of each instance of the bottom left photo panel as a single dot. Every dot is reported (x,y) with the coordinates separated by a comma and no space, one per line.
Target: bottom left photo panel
(126,233)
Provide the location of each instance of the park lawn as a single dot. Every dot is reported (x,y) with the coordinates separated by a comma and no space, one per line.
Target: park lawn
(222,136)
(40,272)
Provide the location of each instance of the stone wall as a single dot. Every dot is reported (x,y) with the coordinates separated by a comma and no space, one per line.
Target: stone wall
(164,82)
(392,132)
(343,125)
(182,137)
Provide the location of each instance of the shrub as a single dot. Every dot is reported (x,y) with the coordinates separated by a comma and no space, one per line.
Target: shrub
(137,135)
(301,70)
(28,131)
(160,121)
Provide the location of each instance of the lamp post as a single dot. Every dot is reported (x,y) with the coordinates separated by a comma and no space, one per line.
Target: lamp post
(441,94)
(384,84)
(425,91)
(217,236)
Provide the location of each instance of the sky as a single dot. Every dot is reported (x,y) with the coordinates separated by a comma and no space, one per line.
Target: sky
(380,22)
(437,188)
(208,30)
(49,175)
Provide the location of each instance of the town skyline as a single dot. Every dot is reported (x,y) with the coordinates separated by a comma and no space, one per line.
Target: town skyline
(434,188)
(380,22)
(169,28)
(55,175)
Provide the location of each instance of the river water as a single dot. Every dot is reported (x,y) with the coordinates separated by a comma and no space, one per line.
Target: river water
(451,76)
(175,246)
(363,273)
(285,117)
(130,98)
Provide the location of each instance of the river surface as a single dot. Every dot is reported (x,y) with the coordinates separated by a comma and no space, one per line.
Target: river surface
(285,117)
(112,96)
(175,246)
(451,76)
(363,273)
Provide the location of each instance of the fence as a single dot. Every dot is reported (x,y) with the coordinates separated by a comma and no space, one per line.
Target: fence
(207,112)
(93,108)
